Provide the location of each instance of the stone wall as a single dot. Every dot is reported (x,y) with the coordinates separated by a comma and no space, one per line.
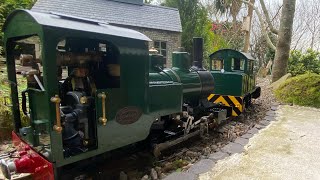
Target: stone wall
(173,40)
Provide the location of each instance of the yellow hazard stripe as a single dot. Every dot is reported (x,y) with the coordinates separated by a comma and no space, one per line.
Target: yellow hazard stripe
(210,97)
(236,102)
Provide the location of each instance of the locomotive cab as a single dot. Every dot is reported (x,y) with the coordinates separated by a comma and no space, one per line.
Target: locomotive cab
(235,83)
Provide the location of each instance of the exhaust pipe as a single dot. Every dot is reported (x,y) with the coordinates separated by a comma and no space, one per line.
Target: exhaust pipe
(198,52)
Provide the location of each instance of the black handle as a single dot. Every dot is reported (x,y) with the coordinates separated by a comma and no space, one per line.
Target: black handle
(24,102)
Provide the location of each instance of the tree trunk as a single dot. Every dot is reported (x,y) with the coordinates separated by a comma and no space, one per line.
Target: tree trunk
(247,35)
(284,40)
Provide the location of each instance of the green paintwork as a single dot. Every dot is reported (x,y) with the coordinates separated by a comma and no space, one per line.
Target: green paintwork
(181,60)
(228,83)
(180,72)
(154,92)
(233,82)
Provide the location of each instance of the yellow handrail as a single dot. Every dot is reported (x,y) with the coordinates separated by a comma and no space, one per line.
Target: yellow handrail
(57,127)
(103,119)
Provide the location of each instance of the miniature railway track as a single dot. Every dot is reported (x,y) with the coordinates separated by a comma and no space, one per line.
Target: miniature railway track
(135,161)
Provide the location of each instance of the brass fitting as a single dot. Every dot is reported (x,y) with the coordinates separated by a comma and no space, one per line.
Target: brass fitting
(57,100)
(103,119)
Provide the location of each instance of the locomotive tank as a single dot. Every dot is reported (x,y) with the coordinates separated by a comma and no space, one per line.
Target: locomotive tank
(197,82)
(181,72)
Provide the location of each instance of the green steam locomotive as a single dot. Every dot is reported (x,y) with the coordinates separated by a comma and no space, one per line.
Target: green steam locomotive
(93,88)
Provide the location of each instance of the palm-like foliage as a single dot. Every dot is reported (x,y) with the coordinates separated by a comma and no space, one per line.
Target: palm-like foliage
(229,6)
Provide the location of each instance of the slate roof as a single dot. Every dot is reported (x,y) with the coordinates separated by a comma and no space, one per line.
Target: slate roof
(118,13)
(58,21)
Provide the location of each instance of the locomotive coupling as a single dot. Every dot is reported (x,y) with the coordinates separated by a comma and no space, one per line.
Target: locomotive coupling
(25,163)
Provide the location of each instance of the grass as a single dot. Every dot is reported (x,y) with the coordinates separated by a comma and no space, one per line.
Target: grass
(301,90)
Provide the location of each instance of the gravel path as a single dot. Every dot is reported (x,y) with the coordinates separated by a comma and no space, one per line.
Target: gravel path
(287,149)
(202,155)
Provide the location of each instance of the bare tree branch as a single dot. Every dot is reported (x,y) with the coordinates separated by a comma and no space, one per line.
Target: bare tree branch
(263,28)
(266,14)
(276,14)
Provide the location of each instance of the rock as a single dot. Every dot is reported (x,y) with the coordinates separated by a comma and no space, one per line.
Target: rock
(274,108)
(153,174)
(247,136)
(162,176)
(232,148)
(270,118)
(206,151)
(253,131)
(168,167)
(193,160)
(276,85)
(187,167)
(192,154)
(123,176)
(201,167)
(259,126)
(158,169)
(214,147)
(233,136)
(181,176)
(264,123)
(270,113)
(218,156)
(145,177)
(222,130)
(241,141)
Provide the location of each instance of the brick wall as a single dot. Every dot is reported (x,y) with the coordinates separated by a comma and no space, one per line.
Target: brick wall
(173,40)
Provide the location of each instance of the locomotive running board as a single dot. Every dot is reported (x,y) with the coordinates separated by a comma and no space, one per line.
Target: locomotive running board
(162,146)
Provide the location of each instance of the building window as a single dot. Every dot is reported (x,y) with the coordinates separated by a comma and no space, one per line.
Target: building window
(161,47)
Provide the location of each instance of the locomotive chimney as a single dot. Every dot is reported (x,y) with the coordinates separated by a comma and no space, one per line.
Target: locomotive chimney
(198,52)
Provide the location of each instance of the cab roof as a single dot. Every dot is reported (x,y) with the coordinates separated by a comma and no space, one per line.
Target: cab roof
(21,18)
(223,53)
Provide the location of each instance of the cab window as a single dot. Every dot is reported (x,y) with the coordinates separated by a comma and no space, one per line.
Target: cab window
(217,64)
(250,66)
(237,64)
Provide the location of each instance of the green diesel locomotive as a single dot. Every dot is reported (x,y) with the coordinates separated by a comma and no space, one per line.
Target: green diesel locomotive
(93,87)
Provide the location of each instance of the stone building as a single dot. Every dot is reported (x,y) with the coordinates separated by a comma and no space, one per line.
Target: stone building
(161,24)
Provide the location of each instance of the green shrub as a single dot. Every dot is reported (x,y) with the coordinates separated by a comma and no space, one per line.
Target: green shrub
(300,63)
(6,120)
(302,90)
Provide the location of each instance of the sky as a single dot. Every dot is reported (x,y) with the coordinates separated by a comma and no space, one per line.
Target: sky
(306,21)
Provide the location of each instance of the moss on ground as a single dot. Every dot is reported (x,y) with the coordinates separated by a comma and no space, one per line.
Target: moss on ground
(301,90)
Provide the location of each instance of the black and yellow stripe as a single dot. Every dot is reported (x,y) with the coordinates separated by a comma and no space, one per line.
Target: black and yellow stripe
(235,102)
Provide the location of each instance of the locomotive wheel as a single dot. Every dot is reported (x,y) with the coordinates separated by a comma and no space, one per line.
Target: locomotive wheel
(256,93)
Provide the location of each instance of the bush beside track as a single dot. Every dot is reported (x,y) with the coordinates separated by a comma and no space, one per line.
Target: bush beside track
(301,90)
(6,121)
